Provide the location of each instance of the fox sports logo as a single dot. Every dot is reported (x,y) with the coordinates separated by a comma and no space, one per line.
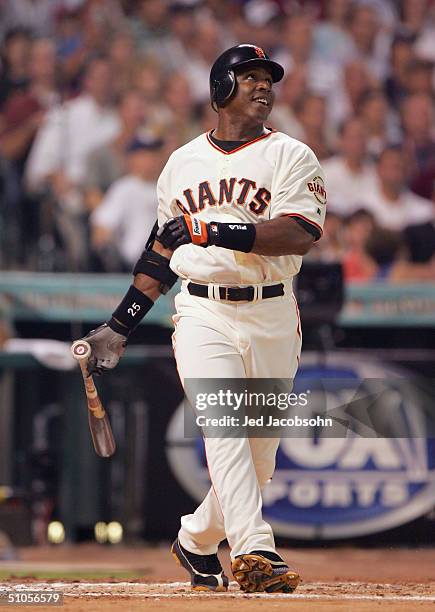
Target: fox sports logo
(334,487)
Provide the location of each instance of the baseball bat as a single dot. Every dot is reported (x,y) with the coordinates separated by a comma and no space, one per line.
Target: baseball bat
(99,424)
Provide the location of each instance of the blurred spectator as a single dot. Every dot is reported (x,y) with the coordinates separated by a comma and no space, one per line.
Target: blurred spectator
(350,173)
(108,163)
(147,77)
(370,43)
(59,155)
(69,42)
(14,63)
(401,58)
(122,57)
(298,50)
(311,114)
(84,32)
(343,100)
(419,141)
(149,23)
(260,21)
(206,46)
(421,77)
(358,265)
(380,125)
(388,249)
(417,19)
(331,37)
(176,114)
(359,77)
(420,238)
(390,202)
(72,131)
(108,13)
(293,89)
(37,17)
(25,109)
(174,51)
(123,221)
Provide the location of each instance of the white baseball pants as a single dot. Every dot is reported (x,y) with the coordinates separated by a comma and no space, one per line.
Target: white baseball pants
(216,339)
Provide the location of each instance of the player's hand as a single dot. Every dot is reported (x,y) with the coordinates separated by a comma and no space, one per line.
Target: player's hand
(183,230)
(107,346)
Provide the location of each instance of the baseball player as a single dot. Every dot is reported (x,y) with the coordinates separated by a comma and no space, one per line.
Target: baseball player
(238,208)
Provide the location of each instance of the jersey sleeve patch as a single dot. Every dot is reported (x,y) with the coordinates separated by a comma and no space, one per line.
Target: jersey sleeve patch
(317,188)
(299,187)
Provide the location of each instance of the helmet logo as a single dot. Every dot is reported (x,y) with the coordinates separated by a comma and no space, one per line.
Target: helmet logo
(259,51)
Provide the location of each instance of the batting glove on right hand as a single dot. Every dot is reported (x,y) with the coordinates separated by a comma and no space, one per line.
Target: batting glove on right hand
(107,347)
(183,230)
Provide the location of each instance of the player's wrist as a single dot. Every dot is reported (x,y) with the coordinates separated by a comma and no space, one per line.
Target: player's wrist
(117,327)
(234,236)
(130,312)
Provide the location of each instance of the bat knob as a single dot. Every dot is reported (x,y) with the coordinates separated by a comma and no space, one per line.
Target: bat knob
(80,349)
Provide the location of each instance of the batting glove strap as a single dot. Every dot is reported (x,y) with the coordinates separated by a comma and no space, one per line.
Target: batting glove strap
(235,236)
(131,311)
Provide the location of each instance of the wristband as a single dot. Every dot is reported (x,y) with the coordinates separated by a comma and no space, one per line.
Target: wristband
(235,236)
(131,310)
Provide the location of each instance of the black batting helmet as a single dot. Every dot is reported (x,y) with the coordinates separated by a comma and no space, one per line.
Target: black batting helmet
(222,78)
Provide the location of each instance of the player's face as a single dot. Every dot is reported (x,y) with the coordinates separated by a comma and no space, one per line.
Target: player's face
(254,97)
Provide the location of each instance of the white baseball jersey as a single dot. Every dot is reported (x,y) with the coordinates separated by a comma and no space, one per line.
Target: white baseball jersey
(269,177)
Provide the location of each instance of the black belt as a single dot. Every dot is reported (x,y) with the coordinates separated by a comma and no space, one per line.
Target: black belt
(237,294)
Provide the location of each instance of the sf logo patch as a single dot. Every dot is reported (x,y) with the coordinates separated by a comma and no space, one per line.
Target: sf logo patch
(259,51)
(317,188)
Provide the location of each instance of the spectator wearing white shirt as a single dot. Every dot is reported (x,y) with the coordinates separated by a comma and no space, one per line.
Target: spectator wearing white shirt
(72,131)
(392,204)
(128,211)
(350,173)
(58,158)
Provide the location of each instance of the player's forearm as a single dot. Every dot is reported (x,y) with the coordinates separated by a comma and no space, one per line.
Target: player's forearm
(282,236)
(152,277)
(109,340)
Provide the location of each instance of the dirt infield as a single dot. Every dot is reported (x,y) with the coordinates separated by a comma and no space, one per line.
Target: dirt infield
(345,579)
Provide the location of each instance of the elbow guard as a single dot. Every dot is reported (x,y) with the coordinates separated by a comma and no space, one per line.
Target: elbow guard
(156,266)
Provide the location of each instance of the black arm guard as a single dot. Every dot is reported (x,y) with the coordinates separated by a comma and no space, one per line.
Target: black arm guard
(156,266)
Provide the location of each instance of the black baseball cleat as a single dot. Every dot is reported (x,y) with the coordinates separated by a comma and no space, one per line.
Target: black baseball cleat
(264,571)
(206,573)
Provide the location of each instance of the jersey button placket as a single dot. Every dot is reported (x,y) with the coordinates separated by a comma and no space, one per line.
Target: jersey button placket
(225,166)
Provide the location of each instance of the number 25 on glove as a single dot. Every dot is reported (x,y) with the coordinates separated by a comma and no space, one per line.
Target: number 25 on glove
(183,230)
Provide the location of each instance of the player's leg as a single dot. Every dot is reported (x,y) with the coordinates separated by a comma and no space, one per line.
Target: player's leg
(205,344)
(272,352)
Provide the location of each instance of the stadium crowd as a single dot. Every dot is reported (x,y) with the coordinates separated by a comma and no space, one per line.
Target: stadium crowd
(95,94)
